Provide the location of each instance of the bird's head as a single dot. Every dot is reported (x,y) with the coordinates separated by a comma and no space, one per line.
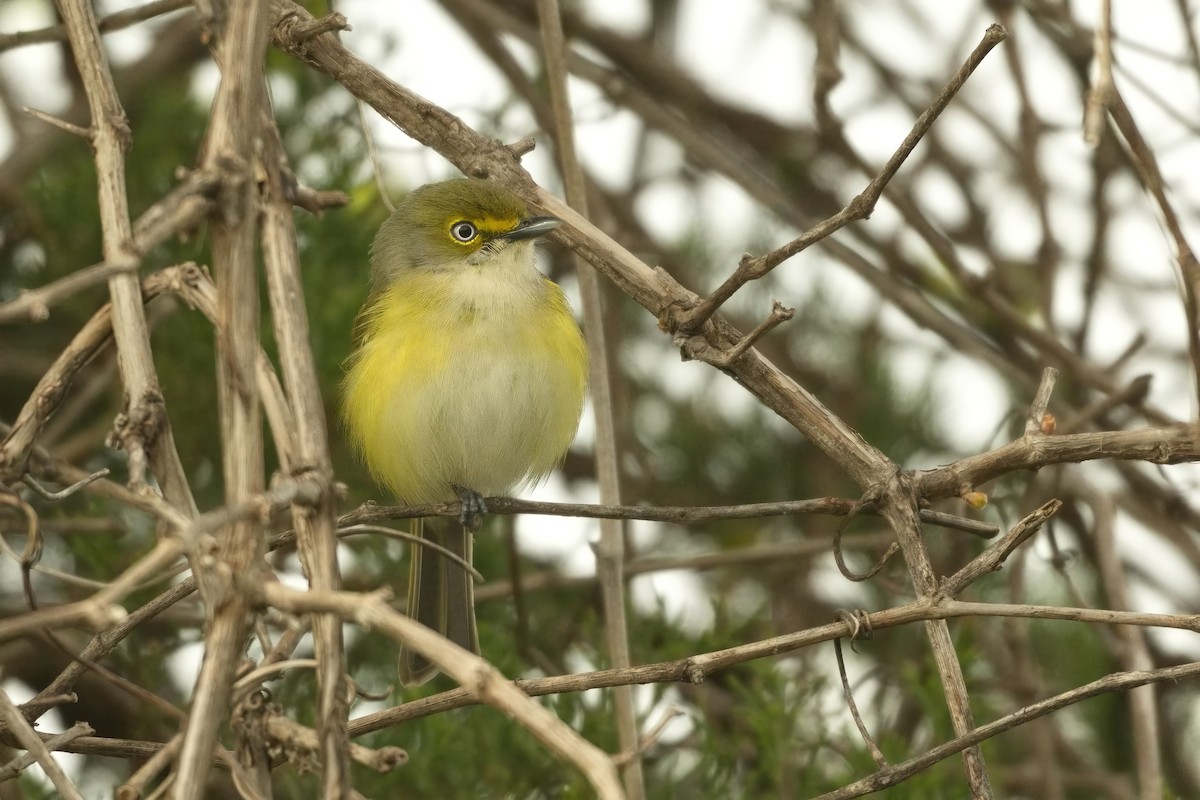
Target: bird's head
(459,222)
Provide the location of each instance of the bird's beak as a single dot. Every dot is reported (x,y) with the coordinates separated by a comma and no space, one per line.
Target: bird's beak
(531,228)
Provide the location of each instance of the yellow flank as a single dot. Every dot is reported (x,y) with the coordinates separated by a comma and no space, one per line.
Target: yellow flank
(472,377)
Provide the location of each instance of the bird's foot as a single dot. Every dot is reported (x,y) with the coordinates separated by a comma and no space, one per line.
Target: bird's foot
(473,508)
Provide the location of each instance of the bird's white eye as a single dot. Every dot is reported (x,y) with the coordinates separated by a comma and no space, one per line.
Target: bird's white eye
(463,231)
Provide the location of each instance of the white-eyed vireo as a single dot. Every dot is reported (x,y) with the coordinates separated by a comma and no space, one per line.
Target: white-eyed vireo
(467,380)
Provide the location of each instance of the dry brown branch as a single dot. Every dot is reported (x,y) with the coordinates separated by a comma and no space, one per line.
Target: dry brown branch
(295,742)
(314,522)
(179,211)
(48,395)
(610,551)
(143,430)
(134,788)
(88,613)
(898,505)
(1152,179)
(682,515)
(56,742)
(229,148)
(102,644)
(694,669)
(994,557)
(1175,444)
(113,22)
(24,733)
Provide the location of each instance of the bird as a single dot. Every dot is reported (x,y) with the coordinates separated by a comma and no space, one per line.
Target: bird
(467,379)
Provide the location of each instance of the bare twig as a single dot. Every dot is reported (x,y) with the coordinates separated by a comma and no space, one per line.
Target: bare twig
(113,22)
(610,550)
(779,313)
(180,210)
(56,742)
(314,522)
(994,557)
(1041,400)
(61,124)
(85,612)
(694,669)
(898,505)
(66,491)
(682,515)
(28,738)
(146,436)
(326,24)
(1173,444)
(229,148)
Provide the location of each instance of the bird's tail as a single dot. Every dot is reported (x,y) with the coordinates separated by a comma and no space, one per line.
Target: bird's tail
(441,594)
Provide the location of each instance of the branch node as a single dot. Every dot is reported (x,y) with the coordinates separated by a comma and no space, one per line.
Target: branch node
(304,31)
(521,147)
(779,313)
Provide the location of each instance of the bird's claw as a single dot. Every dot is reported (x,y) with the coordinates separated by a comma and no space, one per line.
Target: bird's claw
(473,508)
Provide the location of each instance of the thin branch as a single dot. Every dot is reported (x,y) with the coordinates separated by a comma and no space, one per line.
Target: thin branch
(1152,180)
(29,739)
(1041,400)
(56,742)
(143,430)
(329,23)
(682,515)
(134,787)
(113,22)
(230,140)
(314,522)
(997,553)
(180,210)
(61,124)
(694,669)
(898,505)
(66,491)
(610,550)
(1173,444)
(88,613)
(723,358)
